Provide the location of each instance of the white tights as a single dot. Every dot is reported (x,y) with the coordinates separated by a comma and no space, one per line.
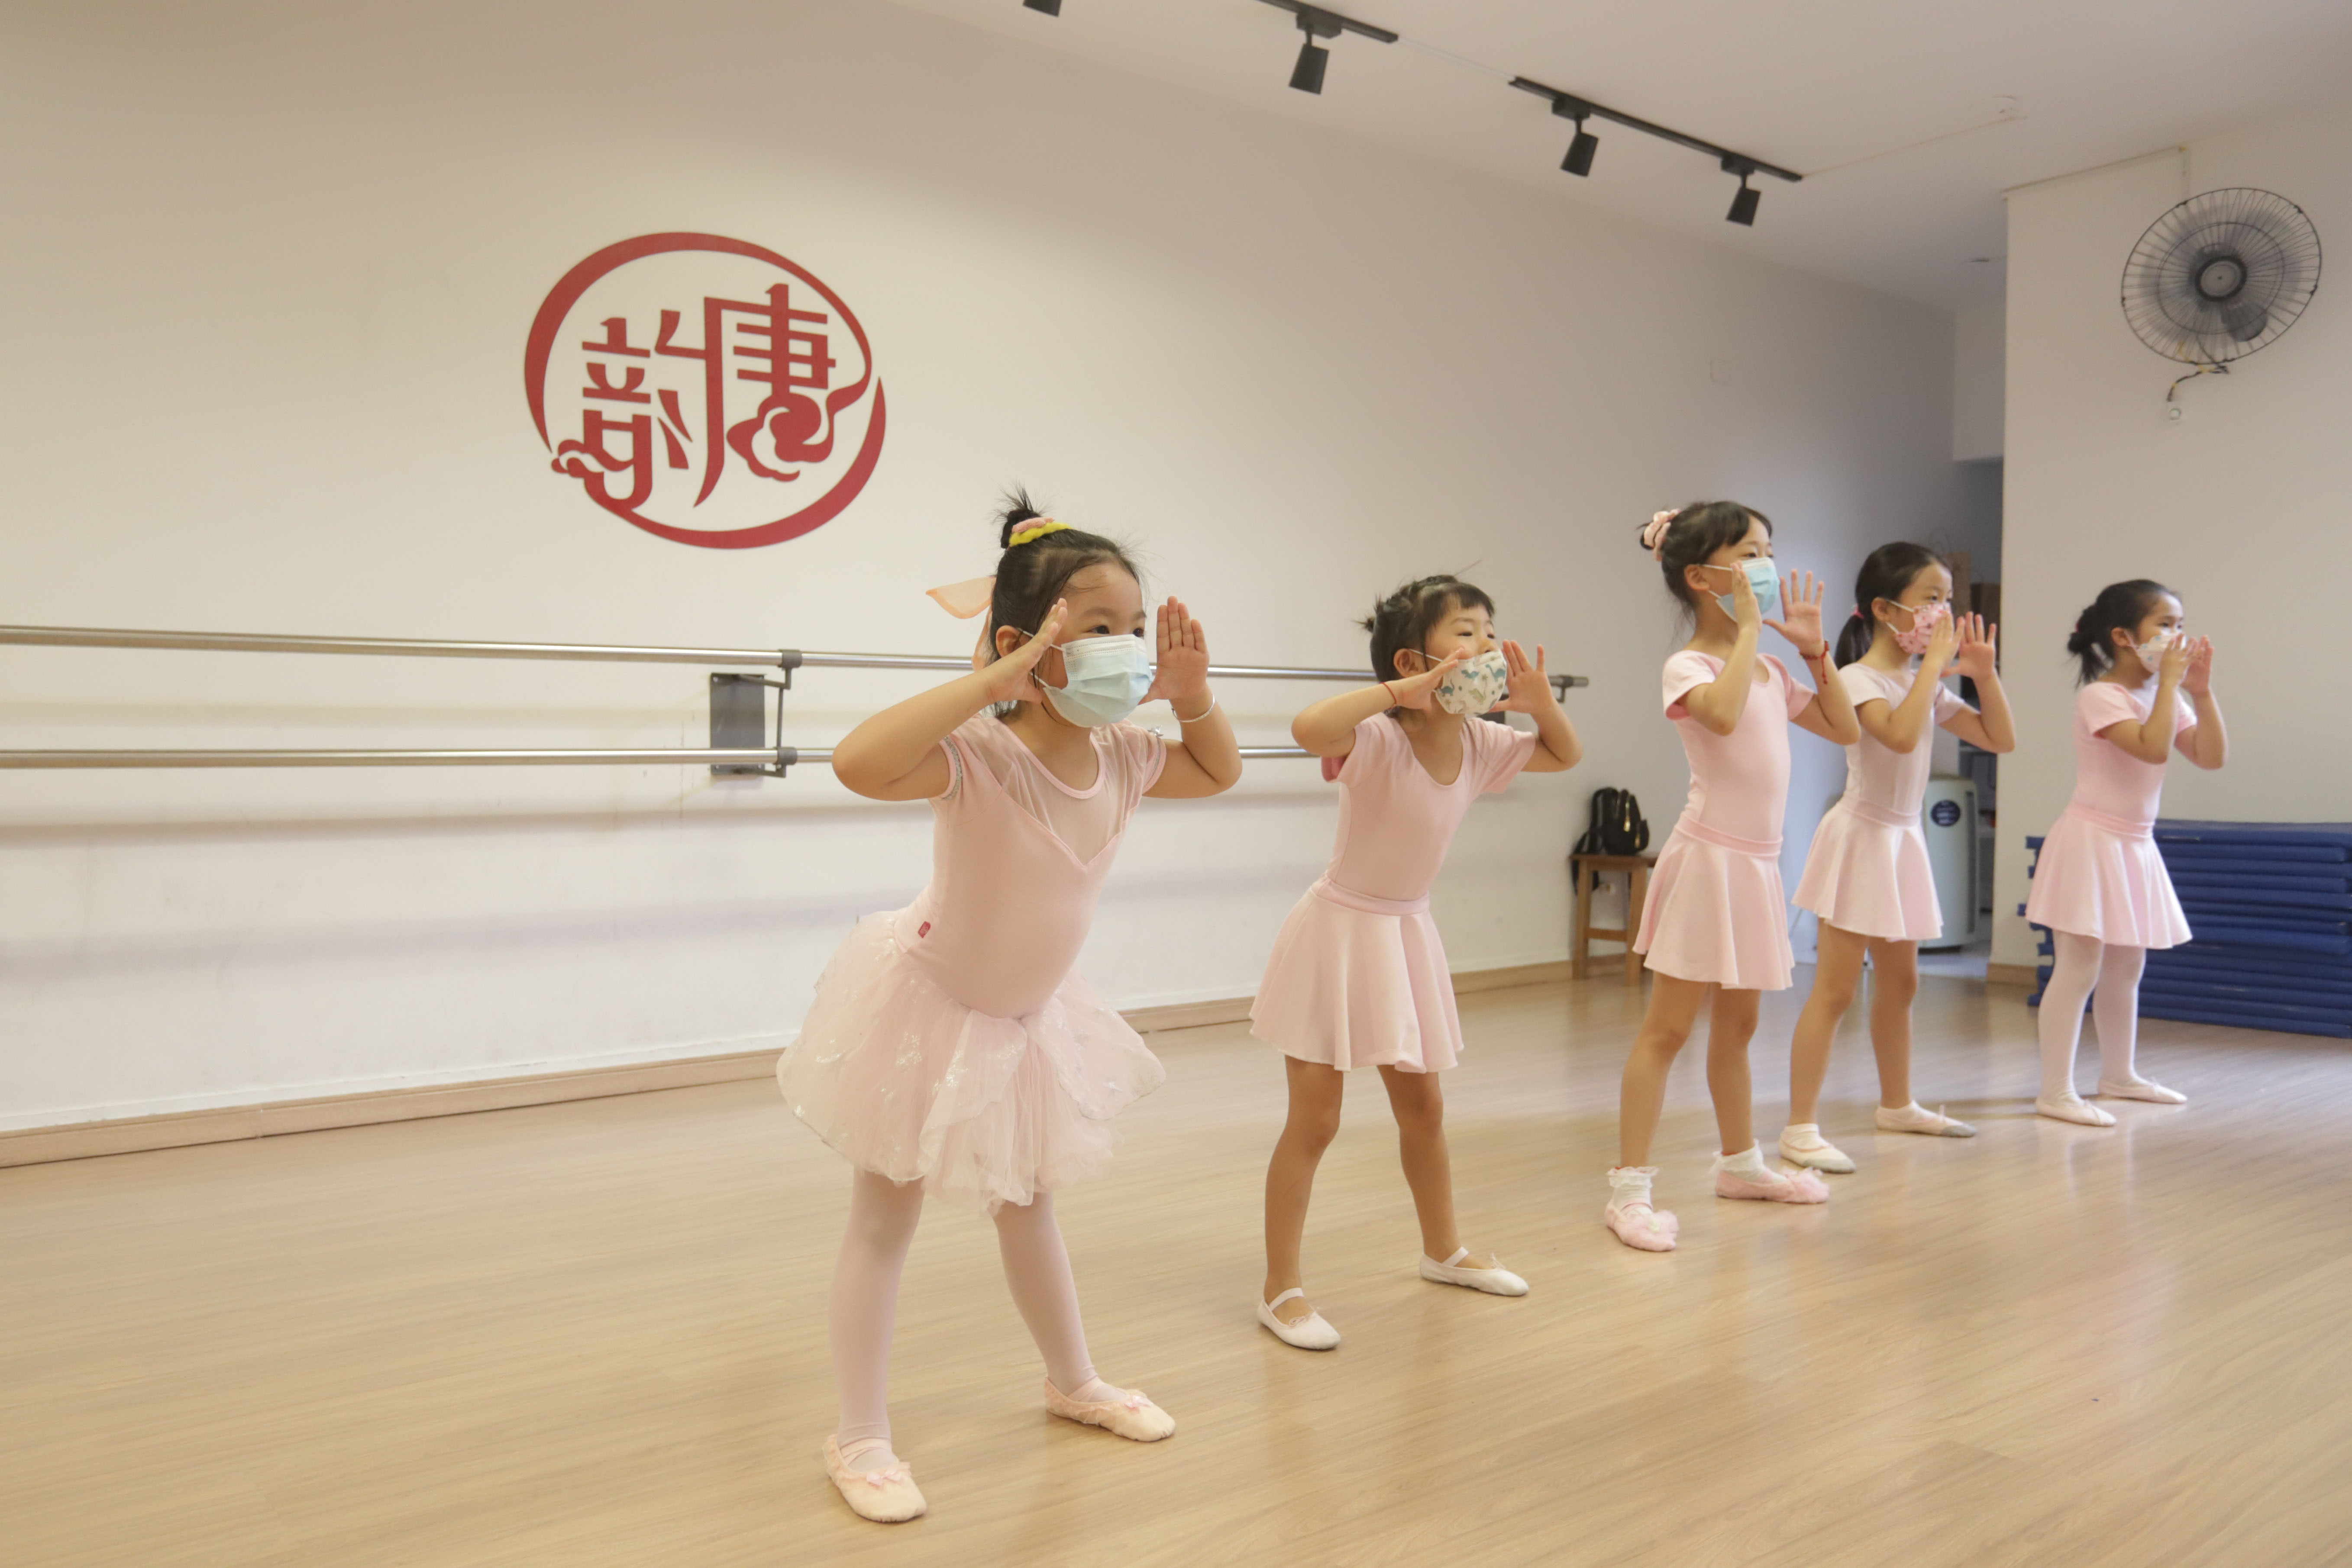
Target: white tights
(865,1302)
(2087,967)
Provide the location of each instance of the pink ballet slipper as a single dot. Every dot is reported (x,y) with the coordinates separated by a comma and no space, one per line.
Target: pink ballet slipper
(1641,1227)
(887,1496)
(2142,1088)
(1132,1415)
(2072,1107)
(1777,1187)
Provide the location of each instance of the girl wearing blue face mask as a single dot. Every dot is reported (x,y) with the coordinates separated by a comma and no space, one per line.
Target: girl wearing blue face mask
(951,1051)
(1715,926)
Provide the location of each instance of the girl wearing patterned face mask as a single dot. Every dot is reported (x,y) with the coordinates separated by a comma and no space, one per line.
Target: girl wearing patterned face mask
(1866,878)
(2100,886)
(951,1051)
(1358,977)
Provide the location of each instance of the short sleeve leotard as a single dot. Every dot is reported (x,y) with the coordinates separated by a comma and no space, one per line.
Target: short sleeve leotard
(1357,976)
(1867,871)
(950,1042)
(2099,874)
(1717,911)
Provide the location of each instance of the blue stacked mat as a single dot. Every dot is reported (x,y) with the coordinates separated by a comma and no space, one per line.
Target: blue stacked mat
(2271,907)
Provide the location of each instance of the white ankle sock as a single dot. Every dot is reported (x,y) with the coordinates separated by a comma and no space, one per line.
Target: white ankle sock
(1630,1185)
(1749,1163)
(1806,1135)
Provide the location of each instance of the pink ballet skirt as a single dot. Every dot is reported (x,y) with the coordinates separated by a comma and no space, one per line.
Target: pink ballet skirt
(1357,976)
(951,1043)
(1867,872)
(1717,911)
(2099,874)
(904,1080)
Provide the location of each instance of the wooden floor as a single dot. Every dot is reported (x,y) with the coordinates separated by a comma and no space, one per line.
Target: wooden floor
(592,1333)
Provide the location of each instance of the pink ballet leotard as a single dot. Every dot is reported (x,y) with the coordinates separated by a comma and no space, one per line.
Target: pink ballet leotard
(2099,874)
(1717,912)
(950,1042)
(1867,870)
(1357,976)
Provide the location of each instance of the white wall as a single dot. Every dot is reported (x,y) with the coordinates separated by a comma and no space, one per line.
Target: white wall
(268,273)
(2238,505)
(1979,345)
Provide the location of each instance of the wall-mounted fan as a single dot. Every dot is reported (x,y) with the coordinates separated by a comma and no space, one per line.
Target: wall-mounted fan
(2220,276)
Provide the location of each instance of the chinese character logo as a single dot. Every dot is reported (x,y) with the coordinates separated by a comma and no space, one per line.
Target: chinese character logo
(705,389)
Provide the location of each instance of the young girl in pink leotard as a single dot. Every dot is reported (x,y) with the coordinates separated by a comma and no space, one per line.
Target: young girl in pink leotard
(1358,977)
(2100,885)
(1866,878)
(951,1051)
(1715,920)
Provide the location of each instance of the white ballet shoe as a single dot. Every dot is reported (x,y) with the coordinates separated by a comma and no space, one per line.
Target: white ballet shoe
(2154,1093)
(1310,1332)
(1807,1147)
(1496,1281)
(887,1496)
(2074,1108)
(1132,1415)
(1917,1118)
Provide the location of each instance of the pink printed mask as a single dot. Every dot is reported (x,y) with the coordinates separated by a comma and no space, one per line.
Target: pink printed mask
(1924,618)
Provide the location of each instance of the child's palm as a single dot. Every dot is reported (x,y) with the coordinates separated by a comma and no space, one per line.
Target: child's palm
(1528,684)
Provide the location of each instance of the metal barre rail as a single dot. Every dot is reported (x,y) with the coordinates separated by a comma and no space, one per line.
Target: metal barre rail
(425,648)
(776,757)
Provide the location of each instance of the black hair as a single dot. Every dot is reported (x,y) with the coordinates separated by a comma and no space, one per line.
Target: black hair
(1402,619)
(1030,576)
(1698,531)
(1887,572)
(2123,604)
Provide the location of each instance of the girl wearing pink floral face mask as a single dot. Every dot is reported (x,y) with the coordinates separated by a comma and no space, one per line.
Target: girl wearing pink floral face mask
(1866,877)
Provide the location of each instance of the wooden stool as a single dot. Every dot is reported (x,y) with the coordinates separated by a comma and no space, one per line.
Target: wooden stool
(1586,869)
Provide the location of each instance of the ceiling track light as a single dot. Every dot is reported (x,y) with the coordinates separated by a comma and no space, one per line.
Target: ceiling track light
(1307,75)
(1568,106)
(1050,7)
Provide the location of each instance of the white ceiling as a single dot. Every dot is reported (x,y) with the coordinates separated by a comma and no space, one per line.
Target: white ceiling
(1863,97)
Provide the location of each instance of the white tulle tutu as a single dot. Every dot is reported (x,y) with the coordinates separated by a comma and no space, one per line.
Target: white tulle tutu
(905,1081)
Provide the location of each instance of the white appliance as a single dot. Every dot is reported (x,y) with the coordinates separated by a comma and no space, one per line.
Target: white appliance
(1948,816)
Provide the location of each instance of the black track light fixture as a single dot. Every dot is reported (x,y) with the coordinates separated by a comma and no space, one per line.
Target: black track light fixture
(1743,201)
(1050,7)
(1568,106)
(1306,76)
(1579,161)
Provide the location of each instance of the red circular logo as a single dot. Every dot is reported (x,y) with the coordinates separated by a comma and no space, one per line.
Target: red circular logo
(705,389)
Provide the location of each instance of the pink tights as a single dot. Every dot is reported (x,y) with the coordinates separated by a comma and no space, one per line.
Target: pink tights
(2087,967)
(865,1302)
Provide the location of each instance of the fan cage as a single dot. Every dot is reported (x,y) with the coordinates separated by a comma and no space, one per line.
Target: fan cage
(2221,275)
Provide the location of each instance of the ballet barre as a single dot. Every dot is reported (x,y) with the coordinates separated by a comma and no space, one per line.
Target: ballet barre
(738,744)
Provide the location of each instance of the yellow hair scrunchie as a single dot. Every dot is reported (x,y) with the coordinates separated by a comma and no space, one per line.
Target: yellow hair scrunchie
(1030,532)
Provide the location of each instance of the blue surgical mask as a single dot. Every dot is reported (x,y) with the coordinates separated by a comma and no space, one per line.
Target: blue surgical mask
(1764,576)
(1104,679)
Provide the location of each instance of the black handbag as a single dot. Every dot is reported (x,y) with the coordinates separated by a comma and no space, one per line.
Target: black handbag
(1617,826)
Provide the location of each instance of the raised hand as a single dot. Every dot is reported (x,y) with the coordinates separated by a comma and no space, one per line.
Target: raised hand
(1421,690)
(2196,679)
(1182,676)
(1800,623)
(2172,663)
(1942,642)
(1529,687)
(1011,678)
(1976,657)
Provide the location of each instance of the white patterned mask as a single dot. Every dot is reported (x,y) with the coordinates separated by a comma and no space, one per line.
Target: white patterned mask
(1475,685)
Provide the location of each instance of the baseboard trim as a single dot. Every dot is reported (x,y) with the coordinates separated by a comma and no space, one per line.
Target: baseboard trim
(175,1130)
(2025,975)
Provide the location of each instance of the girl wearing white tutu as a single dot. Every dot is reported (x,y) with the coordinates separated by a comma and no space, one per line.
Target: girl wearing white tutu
(2100,885)
(951,1051)
(1358,977)
(1714,928)
(1866,877)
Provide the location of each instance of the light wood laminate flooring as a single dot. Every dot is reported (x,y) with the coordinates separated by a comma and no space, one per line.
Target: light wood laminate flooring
(593,1333)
